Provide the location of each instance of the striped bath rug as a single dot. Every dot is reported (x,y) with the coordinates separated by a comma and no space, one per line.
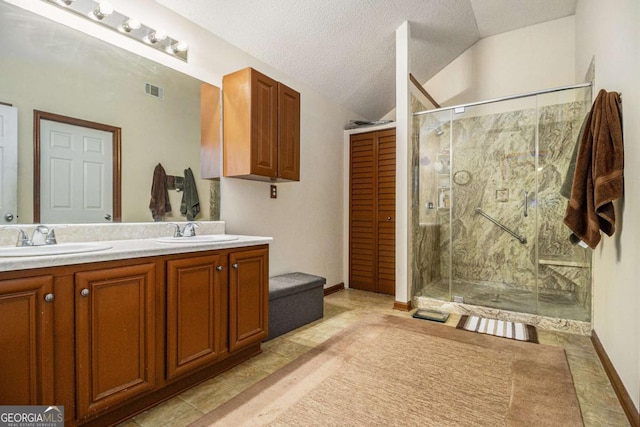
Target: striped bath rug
(499,328)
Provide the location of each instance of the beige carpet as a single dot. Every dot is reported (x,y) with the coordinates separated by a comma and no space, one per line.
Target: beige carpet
(387,371)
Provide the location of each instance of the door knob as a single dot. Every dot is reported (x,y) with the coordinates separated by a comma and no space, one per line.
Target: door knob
(8,217)
(107,217)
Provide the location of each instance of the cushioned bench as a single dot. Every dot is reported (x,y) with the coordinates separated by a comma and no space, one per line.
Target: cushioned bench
(295,299)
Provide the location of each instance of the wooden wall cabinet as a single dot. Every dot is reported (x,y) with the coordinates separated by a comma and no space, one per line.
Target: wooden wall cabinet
(26,339)
(261,128)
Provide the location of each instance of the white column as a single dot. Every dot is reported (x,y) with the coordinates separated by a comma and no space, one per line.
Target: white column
(403,153)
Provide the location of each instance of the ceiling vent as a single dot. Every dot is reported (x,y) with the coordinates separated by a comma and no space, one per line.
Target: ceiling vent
(153,90)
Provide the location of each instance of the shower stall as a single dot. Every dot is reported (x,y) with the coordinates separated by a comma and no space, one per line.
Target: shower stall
(488,205)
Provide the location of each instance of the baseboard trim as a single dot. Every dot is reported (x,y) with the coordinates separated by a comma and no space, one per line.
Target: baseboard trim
(402,306)
(333,289)
(623,396)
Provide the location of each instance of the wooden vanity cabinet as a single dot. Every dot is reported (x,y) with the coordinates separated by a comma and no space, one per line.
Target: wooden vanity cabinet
(26,339)
(115,336)
(248,298)
(261,128)
(119,336)
(197,295)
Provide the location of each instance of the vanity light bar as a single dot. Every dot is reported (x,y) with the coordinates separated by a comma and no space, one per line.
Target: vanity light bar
(102,12)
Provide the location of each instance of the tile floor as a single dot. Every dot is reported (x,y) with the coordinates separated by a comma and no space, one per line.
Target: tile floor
(598,402)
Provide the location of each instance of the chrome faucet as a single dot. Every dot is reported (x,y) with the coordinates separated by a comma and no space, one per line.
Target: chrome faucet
(189,229)
(42,235)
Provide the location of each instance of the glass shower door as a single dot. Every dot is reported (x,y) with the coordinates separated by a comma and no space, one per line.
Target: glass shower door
(493,197)
(564,269)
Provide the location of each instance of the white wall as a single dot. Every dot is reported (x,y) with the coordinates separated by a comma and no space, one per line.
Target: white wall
(610,32)
(306,218)
(528,59)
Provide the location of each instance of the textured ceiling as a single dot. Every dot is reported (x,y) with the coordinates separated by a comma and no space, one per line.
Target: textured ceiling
(346,49)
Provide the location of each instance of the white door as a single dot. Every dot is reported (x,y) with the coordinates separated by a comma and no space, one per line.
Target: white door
(76,174)
(8,164)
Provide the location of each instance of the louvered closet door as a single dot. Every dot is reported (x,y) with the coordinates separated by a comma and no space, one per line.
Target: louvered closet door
(386,210)
(362,219)
(372,212)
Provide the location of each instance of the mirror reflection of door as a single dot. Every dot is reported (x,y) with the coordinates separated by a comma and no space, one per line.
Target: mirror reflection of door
(76,171)
(8,164)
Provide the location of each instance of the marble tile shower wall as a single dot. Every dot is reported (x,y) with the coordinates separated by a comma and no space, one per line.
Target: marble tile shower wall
(499,152)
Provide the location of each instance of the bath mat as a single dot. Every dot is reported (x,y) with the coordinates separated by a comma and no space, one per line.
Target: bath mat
(390,370)
(436,316)
(499,328)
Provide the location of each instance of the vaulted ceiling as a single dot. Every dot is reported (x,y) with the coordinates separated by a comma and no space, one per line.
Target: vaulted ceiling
(346,49)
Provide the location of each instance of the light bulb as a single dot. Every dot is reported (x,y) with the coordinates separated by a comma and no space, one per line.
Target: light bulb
(130,25)
(104,9)
(180,46)
(157,36)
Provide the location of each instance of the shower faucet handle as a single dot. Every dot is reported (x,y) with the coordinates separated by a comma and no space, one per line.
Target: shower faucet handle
(526,203)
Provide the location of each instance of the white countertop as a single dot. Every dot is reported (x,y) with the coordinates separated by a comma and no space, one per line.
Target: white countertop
(125,249)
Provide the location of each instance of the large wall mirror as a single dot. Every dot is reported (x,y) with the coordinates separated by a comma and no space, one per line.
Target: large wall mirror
(46,66)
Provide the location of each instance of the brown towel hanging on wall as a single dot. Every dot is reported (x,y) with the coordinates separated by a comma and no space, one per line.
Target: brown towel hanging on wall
(598,178)
(159,203)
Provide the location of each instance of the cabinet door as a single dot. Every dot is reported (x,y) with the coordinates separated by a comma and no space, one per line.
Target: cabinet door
(264,125)
(196,313)
(115,331)
(248,297)
(26,340)
(289,133)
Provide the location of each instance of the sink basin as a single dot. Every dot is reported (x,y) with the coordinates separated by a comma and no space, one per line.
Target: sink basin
(59,249)
(208,238)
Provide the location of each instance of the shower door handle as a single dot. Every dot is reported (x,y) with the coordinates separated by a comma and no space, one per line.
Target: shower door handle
(526,203)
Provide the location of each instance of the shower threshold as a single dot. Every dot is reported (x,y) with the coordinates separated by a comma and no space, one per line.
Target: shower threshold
(550,303)
(541,322)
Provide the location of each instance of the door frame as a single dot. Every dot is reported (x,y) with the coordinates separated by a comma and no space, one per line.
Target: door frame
(116,140)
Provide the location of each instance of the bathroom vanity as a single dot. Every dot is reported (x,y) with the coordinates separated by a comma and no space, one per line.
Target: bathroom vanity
(110,333)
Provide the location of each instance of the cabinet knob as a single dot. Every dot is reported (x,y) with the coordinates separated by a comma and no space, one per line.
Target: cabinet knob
(49,297)
(85,292)
(235,266)
(219,268)
(388,218)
